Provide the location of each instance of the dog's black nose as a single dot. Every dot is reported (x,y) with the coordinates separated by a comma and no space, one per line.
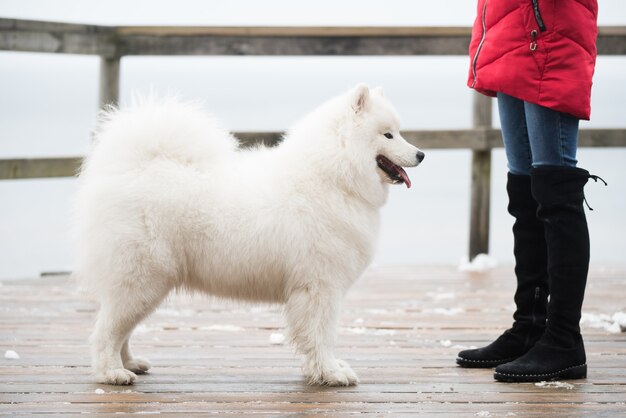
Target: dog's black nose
(420,156)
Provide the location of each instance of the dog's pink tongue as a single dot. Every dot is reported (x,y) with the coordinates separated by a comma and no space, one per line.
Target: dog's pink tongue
(404,176)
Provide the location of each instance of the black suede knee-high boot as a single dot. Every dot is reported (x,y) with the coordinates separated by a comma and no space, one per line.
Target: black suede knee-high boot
(531,295)
(560,353)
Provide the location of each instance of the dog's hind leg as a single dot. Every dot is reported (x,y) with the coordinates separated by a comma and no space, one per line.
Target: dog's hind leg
(312,316)
(120,311)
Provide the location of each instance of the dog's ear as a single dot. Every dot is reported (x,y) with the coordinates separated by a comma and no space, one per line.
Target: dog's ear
(360,97)
(379,91)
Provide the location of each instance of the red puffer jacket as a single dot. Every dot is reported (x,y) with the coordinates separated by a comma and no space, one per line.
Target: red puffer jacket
(540,51)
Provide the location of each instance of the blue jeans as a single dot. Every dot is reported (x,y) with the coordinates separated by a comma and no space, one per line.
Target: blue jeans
(535,135)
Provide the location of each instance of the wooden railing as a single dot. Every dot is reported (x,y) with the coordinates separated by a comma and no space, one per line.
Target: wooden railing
(112,43)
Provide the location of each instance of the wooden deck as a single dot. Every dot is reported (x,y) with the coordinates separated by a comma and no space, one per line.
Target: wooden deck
(401,329)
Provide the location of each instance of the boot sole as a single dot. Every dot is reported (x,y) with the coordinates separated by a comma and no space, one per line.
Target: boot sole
(481,364)
(570,373)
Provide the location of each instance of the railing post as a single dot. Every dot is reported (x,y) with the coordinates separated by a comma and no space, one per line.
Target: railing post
(109,81)
(481,181)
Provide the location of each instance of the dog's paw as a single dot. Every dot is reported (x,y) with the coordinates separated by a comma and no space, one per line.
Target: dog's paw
(138,365)
(339,374)
(117,377)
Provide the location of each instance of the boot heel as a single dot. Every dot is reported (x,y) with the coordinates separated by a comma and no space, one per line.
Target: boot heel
(578,372)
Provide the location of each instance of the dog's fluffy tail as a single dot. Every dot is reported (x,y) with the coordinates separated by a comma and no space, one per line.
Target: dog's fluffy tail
(151,135)
(152,127)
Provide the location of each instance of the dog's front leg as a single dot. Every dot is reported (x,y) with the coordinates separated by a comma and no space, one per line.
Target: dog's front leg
(312,315)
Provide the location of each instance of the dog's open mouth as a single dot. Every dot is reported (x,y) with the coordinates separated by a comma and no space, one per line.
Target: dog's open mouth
(395,173)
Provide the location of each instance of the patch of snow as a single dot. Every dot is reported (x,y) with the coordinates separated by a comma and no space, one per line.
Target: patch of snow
(218,327)
(482,414)
(437,296)
(565,385)
(175,312)
(355,330)
(369,331)
(620,318)
(482,263)
(385,332)
(444,311)
(277,338)
(463,347)
(445,343)
(256,309)
(11,355)
(99,391)
(141,329)
(377,311)
(615,323)
(385,311)
(359,321)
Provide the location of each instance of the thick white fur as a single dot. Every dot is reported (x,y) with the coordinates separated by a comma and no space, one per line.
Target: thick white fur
(166,200)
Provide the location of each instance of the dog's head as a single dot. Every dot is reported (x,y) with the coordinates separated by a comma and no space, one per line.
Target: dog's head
(377,126)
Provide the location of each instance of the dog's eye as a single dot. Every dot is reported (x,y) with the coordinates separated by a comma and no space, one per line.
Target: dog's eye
(388,135)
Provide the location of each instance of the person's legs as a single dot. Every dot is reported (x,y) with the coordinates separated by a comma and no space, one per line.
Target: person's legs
(552,136)
(515,134)
(529,248)
(557,186)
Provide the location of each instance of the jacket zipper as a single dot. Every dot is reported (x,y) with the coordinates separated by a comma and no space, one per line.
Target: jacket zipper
(538,18)
(480,44)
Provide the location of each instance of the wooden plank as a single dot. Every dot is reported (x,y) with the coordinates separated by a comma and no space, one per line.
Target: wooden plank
(291,31)
(601,379)
(51,42)
(481,181)
(297,392)
(36,36)
(473,139)
(109,93)
(317,40)
(611,40)
(26,168)
(294,45)
(248,139)
(602,138)
(422,405)
(47,26)
(480,201)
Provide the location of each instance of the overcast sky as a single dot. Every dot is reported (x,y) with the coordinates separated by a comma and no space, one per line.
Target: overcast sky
(268,12)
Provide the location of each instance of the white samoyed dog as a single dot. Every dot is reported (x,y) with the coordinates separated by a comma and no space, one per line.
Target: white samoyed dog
(168,201)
